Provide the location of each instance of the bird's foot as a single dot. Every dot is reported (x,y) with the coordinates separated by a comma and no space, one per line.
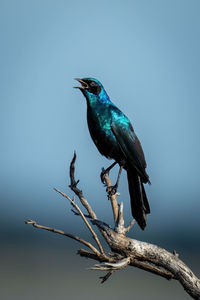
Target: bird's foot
(103,174)
(112,190)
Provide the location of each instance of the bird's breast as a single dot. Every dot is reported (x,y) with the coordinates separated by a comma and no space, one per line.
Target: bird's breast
(99,124)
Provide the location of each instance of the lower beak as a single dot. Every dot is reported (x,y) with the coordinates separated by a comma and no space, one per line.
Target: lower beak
(83,86)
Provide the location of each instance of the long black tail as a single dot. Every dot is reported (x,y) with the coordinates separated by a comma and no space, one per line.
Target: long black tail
(139,202)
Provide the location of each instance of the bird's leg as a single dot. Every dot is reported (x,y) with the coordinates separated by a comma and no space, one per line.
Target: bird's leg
(112,190)
(106,171)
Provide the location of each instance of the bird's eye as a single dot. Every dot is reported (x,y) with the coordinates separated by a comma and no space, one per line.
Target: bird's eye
(94,88)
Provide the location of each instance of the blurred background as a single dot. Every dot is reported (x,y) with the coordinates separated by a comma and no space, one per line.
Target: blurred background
(147,55)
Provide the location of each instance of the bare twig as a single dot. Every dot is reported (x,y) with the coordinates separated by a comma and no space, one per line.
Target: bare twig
(119,224)
(77,191)
(74,237)
(104,278)
(84,219)
(113,198)
(77,214)
(129,226)
(108,266)
(101,258)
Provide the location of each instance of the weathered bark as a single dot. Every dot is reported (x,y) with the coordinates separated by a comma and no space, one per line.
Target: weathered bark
(125,251)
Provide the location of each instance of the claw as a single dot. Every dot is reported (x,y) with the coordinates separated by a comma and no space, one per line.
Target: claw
(112,190)
(102,175)
(106,171)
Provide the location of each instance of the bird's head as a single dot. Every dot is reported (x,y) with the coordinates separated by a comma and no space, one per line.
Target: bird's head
(92,89)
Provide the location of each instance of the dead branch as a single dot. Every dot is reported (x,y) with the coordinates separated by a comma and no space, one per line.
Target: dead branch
(84,219)
(74,237)
(113,198)
(152,258)
(77,191)
(125,251)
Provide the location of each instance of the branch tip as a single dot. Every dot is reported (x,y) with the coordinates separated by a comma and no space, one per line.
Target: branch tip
(29,222)
(104,278)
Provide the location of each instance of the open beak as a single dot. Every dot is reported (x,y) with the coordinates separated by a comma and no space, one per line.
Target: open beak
(83,86)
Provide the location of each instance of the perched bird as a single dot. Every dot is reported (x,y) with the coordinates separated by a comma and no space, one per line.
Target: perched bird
(115,138)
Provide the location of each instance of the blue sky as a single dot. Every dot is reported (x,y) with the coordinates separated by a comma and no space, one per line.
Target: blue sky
(146,54)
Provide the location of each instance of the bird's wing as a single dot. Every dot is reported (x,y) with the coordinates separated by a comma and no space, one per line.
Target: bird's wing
(131,147)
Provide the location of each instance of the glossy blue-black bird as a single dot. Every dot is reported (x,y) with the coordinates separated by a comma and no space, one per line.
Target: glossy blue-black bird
(115,138)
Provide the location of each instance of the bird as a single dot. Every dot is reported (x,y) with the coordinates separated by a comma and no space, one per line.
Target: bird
(114,137)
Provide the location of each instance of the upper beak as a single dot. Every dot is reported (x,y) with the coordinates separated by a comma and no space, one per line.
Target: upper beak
(83,86)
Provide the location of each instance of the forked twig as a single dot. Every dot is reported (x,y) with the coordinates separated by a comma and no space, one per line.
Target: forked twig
(129,226)
(125,251)
(84,219)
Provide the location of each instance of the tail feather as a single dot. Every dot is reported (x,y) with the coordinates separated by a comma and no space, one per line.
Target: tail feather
(145,200)
(139,203)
